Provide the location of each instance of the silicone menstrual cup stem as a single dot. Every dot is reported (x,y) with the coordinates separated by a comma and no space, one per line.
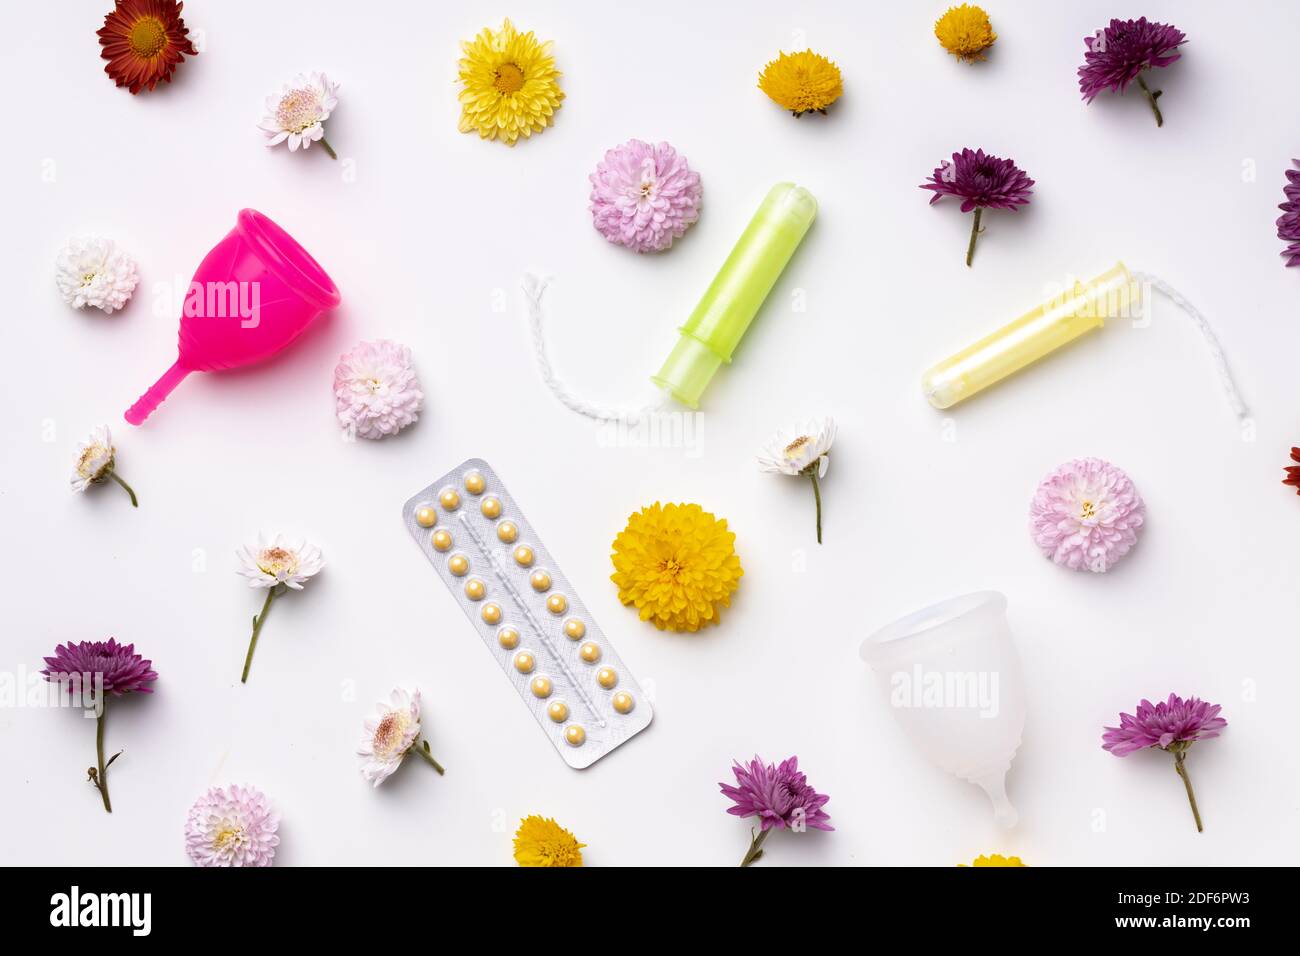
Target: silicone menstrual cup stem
(157,393)
(995,785)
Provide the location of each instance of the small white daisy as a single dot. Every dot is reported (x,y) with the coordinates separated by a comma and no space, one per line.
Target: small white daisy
(267,564)
(390,734)
(93,271)
(299,111)
(803,451)
(95,463)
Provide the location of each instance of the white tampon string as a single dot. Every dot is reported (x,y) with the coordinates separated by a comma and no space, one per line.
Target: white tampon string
(534,286)
(1207,332)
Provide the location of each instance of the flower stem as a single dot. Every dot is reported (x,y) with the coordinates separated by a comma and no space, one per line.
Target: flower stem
(116,477)
(1179,757)
(1151,98)
(755,847)
(101,780)
(974,233)
(817,493)
(258,621)
(422,748)
(328,148)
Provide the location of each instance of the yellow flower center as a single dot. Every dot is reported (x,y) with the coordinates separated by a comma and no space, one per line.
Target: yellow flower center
(793,449)
(147,37)
(508,78)
(229,835)
(94,461)
(671,567)
(275,561)
(1088,510)
(298,110)
(389,733)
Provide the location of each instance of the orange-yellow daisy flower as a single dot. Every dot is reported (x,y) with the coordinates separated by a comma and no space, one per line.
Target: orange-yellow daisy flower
(677,565)
(509,85)
(802,82)
(543,842)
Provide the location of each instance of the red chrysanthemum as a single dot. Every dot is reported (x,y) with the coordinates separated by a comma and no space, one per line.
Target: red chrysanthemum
(1293,471)
(143,40)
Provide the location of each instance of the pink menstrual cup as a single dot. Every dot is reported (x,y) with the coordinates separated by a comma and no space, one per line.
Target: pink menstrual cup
(253,294)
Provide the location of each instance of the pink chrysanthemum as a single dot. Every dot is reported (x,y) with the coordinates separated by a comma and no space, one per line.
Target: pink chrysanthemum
(376,390)
(1086,515)
(232,826)
(644,196)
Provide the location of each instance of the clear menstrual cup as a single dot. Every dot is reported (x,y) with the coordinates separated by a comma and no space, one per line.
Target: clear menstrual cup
(953,680)
(252,295)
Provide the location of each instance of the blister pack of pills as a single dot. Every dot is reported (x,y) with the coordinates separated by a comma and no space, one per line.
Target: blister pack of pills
(527,613)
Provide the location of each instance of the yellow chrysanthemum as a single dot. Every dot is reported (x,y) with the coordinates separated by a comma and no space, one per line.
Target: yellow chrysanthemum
(677,564)
(802,82)
(965,32)
(542,842)
(508,85)
(997,859)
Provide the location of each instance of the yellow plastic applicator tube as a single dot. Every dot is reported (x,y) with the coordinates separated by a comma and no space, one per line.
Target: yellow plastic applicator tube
(1085,307)
(715,328)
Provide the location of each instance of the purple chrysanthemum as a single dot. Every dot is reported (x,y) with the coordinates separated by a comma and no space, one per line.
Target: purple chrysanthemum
(1174,721)
(124,671)
(94,669)
(981,181)
(1288,224)
(1118,55)
(644,196)
(779,796)
(1173,726)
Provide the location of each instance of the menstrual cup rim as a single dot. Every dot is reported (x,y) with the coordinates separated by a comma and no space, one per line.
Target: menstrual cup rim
(931,617)
(281,253)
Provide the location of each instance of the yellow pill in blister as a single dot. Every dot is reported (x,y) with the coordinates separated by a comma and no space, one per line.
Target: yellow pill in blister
(541,686)
(491,507)
(508,638)
(491,613)
(458,565)
(525,662)
(575,735)
(589,652)
(441,539)
(475,589)
(607,677)
(623,702)
(523,555)
(426,517)
(540,580)
(557,604)
(507,531)
(558,711)
(574,629)
(449,499)
(475,483)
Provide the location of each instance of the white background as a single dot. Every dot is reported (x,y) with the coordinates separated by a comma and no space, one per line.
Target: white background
(437,228)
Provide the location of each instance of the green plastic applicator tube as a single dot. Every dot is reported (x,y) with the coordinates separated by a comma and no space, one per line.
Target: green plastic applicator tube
(718,323)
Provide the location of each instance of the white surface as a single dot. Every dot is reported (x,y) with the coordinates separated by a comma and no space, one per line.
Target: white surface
(427,246)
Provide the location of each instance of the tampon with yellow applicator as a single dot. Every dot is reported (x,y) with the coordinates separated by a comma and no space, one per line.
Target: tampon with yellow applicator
(1044,329)
(715,328)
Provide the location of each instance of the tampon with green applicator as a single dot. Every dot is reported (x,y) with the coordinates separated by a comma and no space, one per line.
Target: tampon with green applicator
(719,322)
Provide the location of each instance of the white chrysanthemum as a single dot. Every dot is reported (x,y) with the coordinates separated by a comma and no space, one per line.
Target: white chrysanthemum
(267,564)
(232,826)
(392,731)
(376,392)
(94,459)
(793,451)
(298,112)
(93,271)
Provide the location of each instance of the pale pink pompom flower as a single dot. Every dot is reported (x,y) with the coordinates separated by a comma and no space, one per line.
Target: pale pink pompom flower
(375,389)
(644,196)
(1086,514)
(232,826)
